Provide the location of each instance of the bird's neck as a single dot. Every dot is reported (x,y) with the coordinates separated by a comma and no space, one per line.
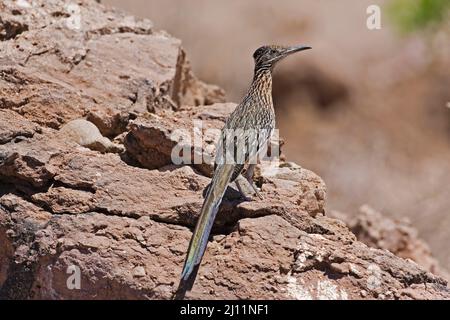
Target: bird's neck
(262,85)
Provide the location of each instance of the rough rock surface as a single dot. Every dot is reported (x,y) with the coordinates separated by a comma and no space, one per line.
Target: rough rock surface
(151,140)
(53,57)
(398,236)
(124,221)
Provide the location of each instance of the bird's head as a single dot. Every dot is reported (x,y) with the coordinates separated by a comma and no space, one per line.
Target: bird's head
(268,56)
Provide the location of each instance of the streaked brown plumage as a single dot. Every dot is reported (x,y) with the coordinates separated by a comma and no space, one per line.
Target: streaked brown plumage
(255,113)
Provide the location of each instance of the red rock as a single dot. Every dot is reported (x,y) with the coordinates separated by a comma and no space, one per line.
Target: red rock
(66,209)
(399,237)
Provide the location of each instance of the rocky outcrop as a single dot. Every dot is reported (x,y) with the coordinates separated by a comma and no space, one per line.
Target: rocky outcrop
(398,236)
(122,222)
(69,60)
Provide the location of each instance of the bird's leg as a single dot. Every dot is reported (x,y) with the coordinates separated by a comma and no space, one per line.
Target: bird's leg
(249,172)
(246,186)
(249,176)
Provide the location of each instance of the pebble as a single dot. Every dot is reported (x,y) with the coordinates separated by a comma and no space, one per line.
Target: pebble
(139,272)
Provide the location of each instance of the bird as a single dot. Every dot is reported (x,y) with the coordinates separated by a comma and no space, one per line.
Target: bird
(245,133)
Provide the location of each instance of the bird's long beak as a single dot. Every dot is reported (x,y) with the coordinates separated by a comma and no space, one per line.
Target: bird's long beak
(284,52)
(290,50)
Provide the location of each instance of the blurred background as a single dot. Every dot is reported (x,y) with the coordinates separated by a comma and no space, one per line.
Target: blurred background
(367,110)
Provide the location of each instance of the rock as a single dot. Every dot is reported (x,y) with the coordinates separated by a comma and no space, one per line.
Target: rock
(107,217)
(293,262)
(54,69)
(151,140)
(122,223)
(191,91)
(15,127)
(86,134)
(139,272)
(399,237)
(75,180)
(29,162)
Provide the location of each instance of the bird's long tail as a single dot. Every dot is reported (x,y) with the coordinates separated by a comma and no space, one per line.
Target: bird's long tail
(199,240)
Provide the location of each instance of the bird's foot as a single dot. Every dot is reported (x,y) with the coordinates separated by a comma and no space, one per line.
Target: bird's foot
(258,194)
(247,189)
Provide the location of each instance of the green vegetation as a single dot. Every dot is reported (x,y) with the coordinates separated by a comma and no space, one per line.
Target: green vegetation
(413,15)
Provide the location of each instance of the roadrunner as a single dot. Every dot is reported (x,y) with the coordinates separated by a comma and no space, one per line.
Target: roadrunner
(245,134)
